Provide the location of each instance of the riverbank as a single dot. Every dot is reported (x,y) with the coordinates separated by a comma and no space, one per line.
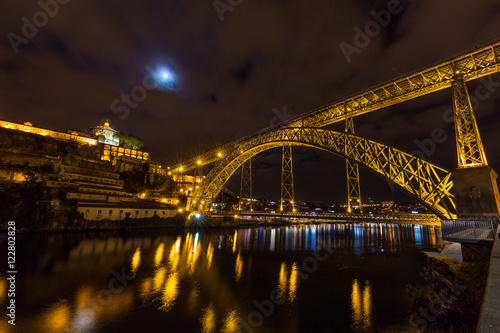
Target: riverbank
(107,225)
(450,299)
(179,222)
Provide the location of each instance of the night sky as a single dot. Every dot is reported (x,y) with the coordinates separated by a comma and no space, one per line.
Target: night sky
(262,62)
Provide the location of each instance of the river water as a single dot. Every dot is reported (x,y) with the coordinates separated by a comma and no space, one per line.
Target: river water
(340,277)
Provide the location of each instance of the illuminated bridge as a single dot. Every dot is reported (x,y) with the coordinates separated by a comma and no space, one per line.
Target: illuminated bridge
(447,193)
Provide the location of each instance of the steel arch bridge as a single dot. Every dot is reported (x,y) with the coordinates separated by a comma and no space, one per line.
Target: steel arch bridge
(428,183)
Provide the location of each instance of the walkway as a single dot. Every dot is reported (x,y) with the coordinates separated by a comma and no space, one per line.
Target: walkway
(489,320)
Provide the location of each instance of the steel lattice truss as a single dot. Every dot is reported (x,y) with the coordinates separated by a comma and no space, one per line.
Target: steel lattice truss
(246,183)
(470,66)
(287,192)
(352,171)
(430,184)
(469,145)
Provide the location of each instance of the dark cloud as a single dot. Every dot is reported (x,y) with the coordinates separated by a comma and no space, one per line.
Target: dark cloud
(265,55)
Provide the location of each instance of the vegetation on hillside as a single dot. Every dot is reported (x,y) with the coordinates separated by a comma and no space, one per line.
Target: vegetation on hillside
(129,141)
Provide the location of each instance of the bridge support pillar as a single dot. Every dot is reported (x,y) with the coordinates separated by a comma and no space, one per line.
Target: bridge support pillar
(475,182)
(246,183)
(352,170)
(476,191)
(287,193)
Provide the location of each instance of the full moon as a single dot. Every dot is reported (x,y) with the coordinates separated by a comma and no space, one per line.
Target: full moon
(164,77)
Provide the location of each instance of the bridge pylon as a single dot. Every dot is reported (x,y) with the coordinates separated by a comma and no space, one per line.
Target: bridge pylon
(475,182)
(246,183)
(287,193)
(352,170)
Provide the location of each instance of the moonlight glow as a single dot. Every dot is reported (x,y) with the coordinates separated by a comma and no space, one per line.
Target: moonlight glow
(165,78)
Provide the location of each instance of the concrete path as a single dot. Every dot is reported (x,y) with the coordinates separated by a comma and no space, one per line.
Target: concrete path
(451,255)
(489,320)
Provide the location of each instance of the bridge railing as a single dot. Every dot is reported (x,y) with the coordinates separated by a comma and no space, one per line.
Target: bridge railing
(469,230)
(399,217)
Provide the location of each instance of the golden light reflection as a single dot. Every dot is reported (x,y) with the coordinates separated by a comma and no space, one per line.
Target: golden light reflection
(367,306)
(234,240)
(231,323)
(57,318)
(196,242)
(178,244)
(170,292)
(356,306)
(193,257)
(187,244)
(83,296)
(210,255)
(294,274)
(282,283)
(6,327)
(136,260)
(174,254)
(3,288)
(145,291)
(159,279)
(159,254)
(238,268)
(432,236)
(361,306)
(208,320)
(193,299)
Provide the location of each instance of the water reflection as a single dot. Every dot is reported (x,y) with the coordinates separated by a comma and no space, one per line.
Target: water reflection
(3,288)
(231,322)
(361,306)
(174,254)
(292,291)
(210,255)
(238,267)
(189,276)
(361,237)
(159,254)
(170,292)
(282,283)
(57,318)
(136,260)
(208,320)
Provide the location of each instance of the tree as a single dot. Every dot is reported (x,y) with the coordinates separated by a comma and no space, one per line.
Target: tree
(129,141)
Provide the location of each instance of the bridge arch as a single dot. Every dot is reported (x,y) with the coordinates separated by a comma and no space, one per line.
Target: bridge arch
(428,183)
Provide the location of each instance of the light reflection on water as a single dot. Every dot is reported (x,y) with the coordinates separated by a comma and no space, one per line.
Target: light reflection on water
(361,305)
(189,278)
(136,260)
